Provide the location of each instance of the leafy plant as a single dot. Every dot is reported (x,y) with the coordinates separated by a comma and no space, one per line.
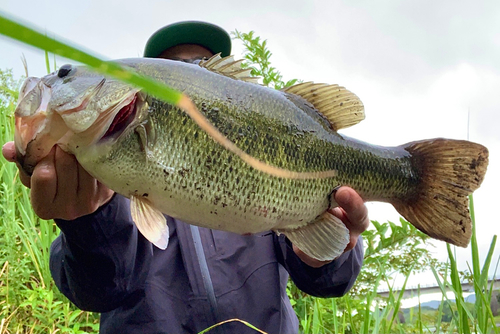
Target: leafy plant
(258,56)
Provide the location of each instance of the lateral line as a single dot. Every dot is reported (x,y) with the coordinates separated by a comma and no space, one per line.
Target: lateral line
(189,108)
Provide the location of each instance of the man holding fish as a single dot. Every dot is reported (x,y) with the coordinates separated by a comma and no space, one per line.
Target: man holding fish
(103,264)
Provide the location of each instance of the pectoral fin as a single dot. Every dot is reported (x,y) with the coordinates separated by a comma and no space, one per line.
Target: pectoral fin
(149,221)
(324,239)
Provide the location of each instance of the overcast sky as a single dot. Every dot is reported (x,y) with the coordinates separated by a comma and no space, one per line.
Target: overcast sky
(420,67)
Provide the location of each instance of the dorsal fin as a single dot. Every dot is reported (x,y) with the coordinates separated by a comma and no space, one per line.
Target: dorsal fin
(228,67)
(341,107)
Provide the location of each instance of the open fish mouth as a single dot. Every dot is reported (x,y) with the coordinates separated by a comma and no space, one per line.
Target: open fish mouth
(122,119)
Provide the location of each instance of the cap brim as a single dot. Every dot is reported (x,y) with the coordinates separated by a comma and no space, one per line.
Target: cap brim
(208,35)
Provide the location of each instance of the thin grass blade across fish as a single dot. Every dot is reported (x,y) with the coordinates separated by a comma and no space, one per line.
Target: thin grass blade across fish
(244,158)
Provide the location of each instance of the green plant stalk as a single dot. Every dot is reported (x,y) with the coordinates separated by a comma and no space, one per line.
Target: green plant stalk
(379,318)
(47,63)
(344,322)
(370,299)
(481,275)
(440,315)
(420,322)
(350,319)
(305,321)
(317,317)
(34,38)
(488,314)
(476,272)
(485,294)
(443,289)
(457,289)
(483,286)
(400,298)
(336,328)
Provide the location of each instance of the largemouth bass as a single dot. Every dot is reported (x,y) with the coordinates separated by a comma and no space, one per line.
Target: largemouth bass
(246,158)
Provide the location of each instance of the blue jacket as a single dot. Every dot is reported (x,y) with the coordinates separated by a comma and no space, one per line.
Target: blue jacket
(102,264)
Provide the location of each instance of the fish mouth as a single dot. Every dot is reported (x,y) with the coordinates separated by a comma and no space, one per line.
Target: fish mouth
(122,119)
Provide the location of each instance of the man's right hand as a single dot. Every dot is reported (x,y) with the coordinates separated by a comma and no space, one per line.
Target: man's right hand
(60,187)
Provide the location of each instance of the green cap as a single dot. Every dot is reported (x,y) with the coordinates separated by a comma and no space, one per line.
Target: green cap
(205,34)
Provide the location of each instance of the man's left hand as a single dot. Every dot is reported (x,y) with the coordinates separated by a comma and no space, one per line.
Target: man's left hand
(353,213)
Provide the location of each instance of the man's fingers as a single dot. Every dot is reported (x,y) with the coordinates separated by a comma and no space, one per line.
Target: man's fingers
(60,187)
(25,178)
(353,213)
(77,191)
(44,186)
(67,176)
(9,151)
(354,209)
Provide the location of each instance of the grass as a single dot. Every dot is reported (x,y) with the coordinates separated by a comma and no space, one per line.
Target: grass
(30,303)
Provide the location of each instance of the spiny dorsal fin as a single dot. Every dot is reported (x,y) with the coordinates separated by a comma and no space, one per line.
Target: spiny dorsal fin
(341,107)
(228,67)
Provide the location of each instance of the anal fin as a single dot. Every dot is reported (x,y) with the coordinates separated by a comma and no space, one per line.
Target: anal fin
(324,239)
(149,221)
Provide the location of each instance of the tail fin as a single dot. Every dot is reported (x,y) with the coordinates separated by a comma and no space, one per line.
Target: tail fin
(450,171)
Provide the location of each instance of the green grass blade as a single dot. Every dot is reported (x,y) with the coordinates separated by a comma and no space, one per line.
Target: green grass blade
(457,289)
(476,272)
(488,314)
(482,285)
(317,319)
(47,62)
(335,319)
(473,242)
(397,304)
(442,288)
(420,322)
(370,299)
(439,315)
(350,319)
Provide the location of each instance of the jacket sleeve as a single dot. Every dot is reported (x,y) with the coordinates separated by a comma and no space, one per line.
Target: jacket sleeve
(100,260)
(332,280)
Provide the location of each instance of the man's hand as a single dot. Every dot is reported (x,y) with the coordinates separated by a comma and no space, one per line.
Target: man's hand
(60,187)
(353,213)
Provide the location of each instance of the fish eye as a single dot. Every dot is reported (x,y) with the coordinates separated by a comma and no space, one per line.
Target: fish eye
(64,70)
